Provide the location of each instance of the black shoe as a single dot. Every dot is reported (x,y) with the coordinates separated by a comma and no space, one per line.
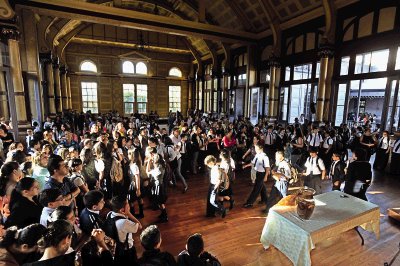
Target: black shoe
(184,190)
(211,215)
(223,213)
(163,220)
(247,205)
(139,216)
(232,202)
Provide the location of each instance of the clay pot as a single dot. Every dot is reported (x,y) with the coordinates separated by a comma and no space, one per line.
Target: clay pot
(305,203)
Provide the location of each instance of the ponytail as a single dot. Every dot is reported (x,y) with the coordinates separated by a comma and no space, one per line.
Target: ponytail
(28,235)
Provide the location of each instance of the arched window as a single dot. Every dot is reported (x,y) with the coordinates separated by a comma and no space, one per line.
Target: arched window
(141,68)
(88,66)
(175,72)
(128,67)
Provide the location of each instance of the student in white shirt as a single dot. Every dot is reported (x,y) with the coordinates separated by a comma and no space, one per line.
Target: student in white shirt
(215,182)
(314,139)
(126,225)
(382,152)
(282,175)
(262,167)
(315,171)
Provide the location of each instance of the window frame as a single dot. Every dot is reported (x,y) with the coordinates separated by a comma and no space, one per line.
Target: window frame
(85,70)
(92,102)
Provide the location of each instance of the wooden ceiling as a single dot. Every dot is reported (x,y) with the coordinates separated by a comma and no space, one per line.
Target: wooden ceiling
(254,19)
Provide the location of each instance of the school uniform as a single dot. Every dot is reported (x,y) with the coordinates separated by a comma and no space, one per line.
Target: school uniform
(260,162)
(395,161)
(212,204)
(89,220)
(337,174)
(185,161)
(326,157)
(315,167)
(314,140)
(280,188)
(269,145)
(382,153)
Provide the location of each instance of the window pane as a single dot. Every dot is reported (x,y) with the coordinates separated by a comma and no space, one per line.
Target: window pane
(89,96)
(344,67)
(88,66)
(398,59)
(174,98)
(379,60)
(127,67)
(141,68)
(287,74)
(302,72)
(318,70)
(358,69)
(175,72)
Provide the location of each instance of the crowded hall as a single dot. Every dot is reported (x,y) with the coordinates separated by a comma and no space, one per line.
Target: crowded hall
(199,132)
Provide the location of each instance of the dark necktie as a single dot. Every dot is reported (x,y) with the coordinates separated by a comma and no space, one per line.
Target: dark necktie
(398,145)
(315,139)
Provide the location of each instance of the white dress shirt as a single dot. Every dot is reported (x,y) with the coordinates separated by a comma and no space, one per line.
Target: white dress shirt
(311,165)
(260,162)
(124,227)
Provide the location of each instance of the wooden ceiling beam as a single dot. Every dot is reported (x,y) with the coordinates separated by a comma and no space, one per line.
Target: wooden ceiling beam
(247,24)
(94,13)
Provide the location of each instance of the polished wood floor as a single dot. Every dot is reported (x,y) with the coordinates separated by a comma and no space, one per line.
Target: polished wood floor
(235,239)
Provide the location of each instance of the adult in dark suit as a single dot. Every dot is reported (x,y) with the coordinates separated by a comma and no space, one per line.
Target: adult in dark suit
(359,175)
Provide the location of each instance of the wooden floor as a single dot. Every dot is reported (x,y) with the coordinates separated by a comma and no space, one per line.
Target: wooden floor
(235,239)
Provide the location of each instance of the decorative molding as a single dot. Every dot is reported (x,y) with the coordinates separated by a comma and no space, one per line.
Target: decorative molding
(45,58)
(9,33)
(274,61)
(326,49)
(6,12)
(63,70)
(56,62)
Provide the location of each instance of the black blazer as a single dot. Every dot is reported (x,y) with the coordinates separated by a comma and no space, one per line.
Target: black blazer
(357,170)
(338,173)
(24,212)
(89,221)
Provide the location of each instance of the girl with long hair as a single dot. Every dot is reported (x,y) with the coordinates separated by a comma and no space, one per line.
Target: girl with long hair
(134,192)
(25,208)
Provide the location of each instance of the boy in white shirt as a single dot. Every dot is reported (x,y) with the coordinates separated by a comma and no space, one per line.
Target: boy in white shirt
(315,171)
(262,167)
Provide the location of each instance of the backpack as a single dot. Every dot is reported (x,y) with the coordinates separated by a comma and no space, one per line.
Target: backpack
(337,144)
(294,174)
(122,251)
(224,185)
(116,172)
(110,228)
(319,168)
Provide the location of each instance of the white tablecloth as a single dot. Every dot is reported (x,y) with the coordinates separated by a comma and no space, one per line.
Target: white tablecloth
(332,215)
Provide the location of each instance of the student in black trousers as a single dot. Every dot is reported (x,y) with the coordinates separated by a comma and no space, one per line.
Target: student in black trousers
(382,152)
(262,167)
(336,171)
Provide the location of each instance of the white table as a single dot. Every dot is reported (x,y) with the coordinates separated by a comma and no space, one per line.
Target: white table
(332,215)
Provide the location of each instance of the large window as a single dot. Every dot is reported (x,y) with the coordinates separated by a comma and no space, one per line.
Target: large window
(299,101)
(302,72)
(129,67)
(130,99)
(372,61)
(89,97)
(175,72)
(88,66)
(340,105)
(175,98)
(141,92)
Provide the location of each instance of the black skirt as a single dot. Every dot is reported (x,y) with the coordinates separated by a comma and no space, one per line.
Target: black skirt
(158,194)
